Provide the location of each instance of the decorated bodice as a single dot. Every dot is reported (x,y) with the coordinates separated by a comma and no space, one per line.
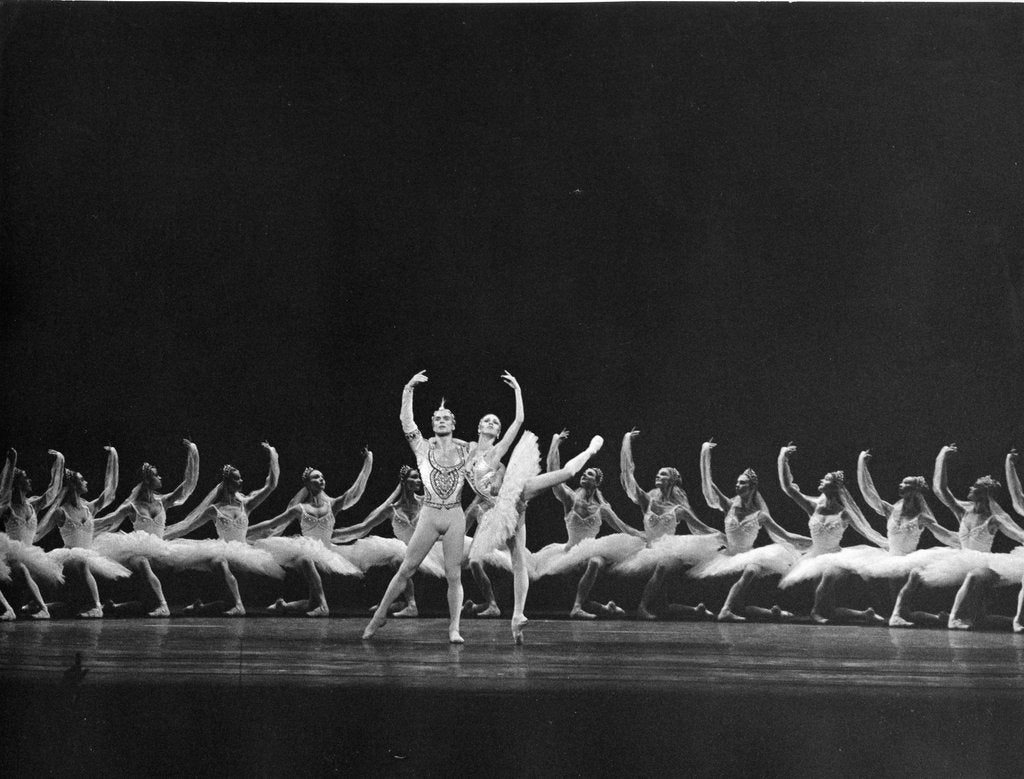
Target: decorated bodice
(483,477)
(77,528)
(21,525)
(903,532)
(583,520)
(316,525)
(740,534)
(403,522)
(660,519)
(978,538)
(231,521)
(443,474)
(826,532)
(147,522)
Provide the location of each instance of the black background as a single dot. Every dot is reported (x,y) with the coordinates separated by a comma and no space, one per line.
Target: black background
(755,222)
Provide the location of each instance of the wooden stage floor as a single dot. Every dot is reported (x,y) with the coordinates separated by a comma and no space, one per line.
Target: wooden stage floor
(265,696)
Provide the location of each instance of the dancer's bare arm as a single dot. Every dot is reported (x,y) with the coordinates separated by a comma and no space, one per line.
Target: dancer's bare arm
(714,497)
(343,535)
(867,486)
(412,433)
(627,470)
(352,495)
(109,483)
(257,497)
(554,463)
(789,486)
(940,484)
(274,526)
(502,446)
(184,490)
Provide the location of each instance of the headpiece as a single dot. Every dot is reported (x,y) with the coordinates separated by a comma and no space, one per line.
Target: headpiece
(598,475)
(404,471)
(146,470)
(917,482)
(674,475)
(838,477)
(751,475)
(442,408)
(987,485)
(307,473)
(227,471)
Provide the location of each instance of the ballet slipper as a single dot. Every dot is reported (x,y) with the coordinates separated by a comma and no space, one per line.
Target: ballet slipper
(644,614)
(237,611)
(896,621)
(195,607)
(408,611)
(374,625)
(959,624)
(518,623)
(43,613)
(94,613)
(728,616)
(578,613)
(1017,626)
(872,618)
(595,445)
(820,619)
(469,609)
(454,637)
(319,611)
(160,611)
(8,616)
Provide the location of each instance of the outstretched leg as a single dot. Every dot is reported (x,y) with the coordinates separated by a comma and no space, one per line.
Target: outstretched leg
(143,566)
(824,597)
(238,610)
(6,612)
(520,580)
(423,538)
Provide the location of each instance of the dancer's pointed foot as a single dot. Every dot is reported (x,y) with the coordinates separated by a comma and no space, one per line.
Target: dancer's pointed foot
(408,611)
(43,613)
(8,616)
(595,445)
(96,612)
(277,605)
(518,623)
(725,615)
(490,610)
(642,613)
(959,624)
(319,611)
(160,611)
(820,619)
(455,637)
(872,618)
(237,611)
(1017,626)
(896,621)
(373,626)
(578,613)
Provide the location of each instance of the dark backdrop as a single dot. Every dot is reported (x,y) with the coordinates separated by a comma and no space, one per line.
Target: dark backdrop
(760,223)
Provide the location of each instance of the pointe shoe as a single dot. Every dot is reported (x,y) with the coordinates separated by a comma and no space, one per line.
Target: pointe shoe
(727,616)
(896,621)
(644,614)
(93,613)
(1017,626)
(237,611)
(455,637)
(160,611)
(595,444)
(195,607)
(319,611)
(703,612)
(819,619)
(579,613)
(407,612)
(518,623)
(373,626)
(8,616)
(780,615)
(958,624)
(469,609)
(43,613)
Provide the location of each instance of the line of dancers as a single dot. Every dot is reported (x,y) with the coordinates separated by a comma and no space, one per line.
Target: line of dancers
(430,529)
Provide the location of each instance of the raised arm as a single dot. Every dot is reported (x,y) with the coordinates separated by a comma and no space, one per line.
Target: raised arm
(940,483)
(255,498)
(714,497)
(1010,528)
(867,487)
(56,482)
(503,445)
(943,535)
(789,486)
(412,433)
(610,518)
(343,535)
(49,520)
(780,535)
(109,483)
(352,495)
(1013,482)
(626,471)
(684,513)
(554,463)
(274,526)
(860,522)
(112,521)
(7,478)
(198,517)
(188,485)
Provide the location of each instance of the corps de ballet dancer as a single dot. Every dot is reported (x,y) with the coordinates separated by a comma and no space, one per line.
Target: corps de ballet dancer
(229,511)
(21,525)
(1017,555)
(504,524)
(441,461)
(74,518)
(484,464)
(316,512)
(746,515)
(585,511)
(664,508)
(972,567)
(147,510)
(905,521)
(402,508)
(829,514)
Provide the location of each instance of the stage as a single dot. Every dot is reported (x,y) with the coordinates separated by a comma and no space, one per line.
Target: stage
(264,696)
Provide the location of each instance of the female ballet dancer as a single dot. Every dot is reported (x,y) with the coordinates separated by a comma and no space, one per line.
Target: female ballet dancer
(441,460)
(402,507)
(585,510)
(505,522)
(147,510)
(745,516)
(8,614)
(74,518)
(980,517)
(664,508)
(1017,497)
(484,463)
(229,510)
(21,525)
(316,512)
(829,514)
(904,522)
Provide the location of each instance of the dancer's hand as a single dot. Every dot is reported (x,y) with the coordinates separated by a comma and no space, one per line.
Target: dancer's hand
(510,380)
(367,454)
(419,378)
(187,442)
(563,435)
(632,433)
(1012,456)
(866,454)
(949,449)
(269,448)
(108,449)
(54,452)
(788,449)
(710,444)
(12,454)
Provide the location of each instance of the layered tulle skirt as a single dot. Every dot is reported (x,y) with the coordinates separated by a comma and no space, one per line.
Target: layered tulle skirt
(673,552)
(376,551)
(949,567)
(559,559)
(124,547)
(291,551)
(40,565)
(98,564)
(496,558)
(500,521)
(770,560)
(205,553)
(812,566)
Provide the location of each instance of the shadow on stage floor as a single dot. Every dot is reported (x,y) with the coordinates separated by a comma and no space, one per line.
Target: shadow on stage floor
(259,697)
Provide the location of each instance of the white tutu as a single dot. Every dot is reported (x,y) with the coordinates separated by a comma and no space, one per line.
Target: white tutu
(851,560)
(5,569)
(949,567)
(673,551)
(1010,567)
(771,560)
(40,565)
(290,551)
(892,566)
(375,551)
(99,565)
(203,554)
(499,558)
(122,547)
(499,522)
(558,559)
